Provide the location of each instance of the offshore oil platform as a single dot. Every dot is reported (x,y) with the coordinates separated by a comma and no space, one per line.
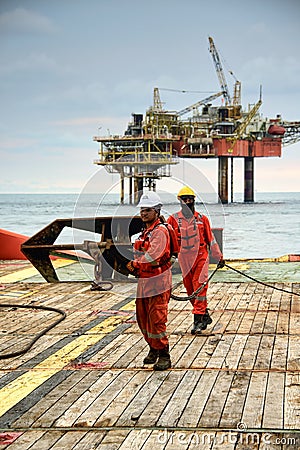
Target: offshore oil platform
(152,144)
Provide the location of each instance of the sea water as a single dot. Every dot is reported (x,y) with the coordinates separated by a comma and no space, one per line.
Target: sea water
(269,227)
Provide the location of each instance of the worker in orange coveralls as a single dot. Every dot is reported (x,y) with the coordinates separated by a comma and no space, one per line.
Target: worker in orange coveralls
(152,266)
(195,240)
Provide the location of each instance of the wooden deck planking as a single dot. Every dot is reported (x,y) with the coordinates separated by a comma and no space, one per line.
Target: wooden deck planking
(70,439)
(134,440)
(76,411)
(56,396)
(135,355)
(74,319)
(107,355)
(280,349)
(292,391)
(273,416)
(233,408)
(110,415)
(151,439)
(22,320)
(197,400)
(254,402)
(47,440)
(124,353)
(57,411)
(175,406)
(26,440)
(247,361)
(90,415)
(221,319)
(92,440)
(212,412)
(229,355)
(133,411)
(23,324)
(186,351)
(78,399)
(10,266)
(175,320)
(160,399)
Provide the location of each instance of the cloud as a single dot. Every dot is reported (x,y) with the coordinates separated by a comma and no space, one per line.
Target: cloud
(8,144)
(21,20)
(32,63)
(274,71)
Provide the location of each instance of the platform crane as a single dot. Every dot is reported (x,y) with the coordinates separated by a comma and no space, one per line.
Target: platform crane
(241,128)
(236,101)
(201,102)
(219,70)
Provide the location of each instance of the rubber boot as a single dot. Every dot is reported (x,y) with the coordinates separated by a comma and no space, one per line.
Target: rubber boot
(207,320)
(164,360)
(152,356)
(197,323)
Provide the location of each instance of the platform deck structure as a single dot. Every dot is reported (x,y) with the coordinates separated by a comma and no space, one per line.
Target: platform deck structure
(83,385)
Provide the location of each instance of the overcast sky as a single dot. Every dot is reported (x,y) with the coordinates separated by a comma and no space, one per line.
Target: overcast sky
(73,69)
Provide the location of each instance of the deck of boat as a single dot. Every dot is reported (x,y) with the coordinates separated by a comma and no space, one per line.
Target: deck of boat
(83,384)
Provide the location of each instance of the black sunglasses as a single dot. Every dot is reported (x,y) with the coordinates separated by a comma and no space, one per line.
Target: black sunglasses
(187,197)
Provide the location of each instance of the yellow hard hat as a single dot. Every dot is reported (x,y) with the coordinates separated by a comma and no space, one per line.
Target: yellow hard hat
(185,190)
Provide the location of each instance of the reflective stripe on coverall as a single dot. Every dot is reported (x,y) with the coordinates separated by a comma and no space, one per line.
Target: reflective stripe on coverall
(152,261)
(195,239)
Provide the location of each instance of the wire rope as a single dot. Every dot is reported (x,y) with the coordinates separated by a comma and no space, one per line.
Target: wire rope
(45,308)
(200,288)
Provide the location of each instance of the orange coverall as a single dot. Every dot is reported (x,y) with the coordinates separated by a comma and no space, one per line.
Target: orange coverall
(152,263)
(195,240)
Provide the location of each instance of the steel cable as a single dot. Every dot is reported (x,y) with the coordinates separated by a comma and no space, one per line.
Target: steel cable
(196,292)
(200,288)
(261,282)
(28,347)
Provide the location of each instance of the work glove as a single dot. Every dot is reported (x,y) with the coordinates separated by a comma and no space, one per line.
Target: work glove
(131,268)
(221,264)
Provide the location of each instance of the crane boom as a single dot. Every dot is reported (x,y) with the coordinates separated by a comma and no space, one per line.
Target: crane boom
(201,102)
(243,125)
(219,70)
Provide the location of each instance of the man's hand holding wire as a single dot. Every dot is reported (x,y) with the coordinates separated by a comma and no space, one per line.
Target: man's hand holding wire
(221,264)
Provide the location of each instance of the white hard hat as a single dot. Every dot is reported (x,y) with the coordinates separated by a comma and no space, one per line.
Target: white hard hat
(150,199)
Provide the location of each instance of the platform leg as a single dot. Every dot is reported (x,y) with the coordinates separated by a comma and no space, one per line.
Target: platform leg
(249,180)
(223,179)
